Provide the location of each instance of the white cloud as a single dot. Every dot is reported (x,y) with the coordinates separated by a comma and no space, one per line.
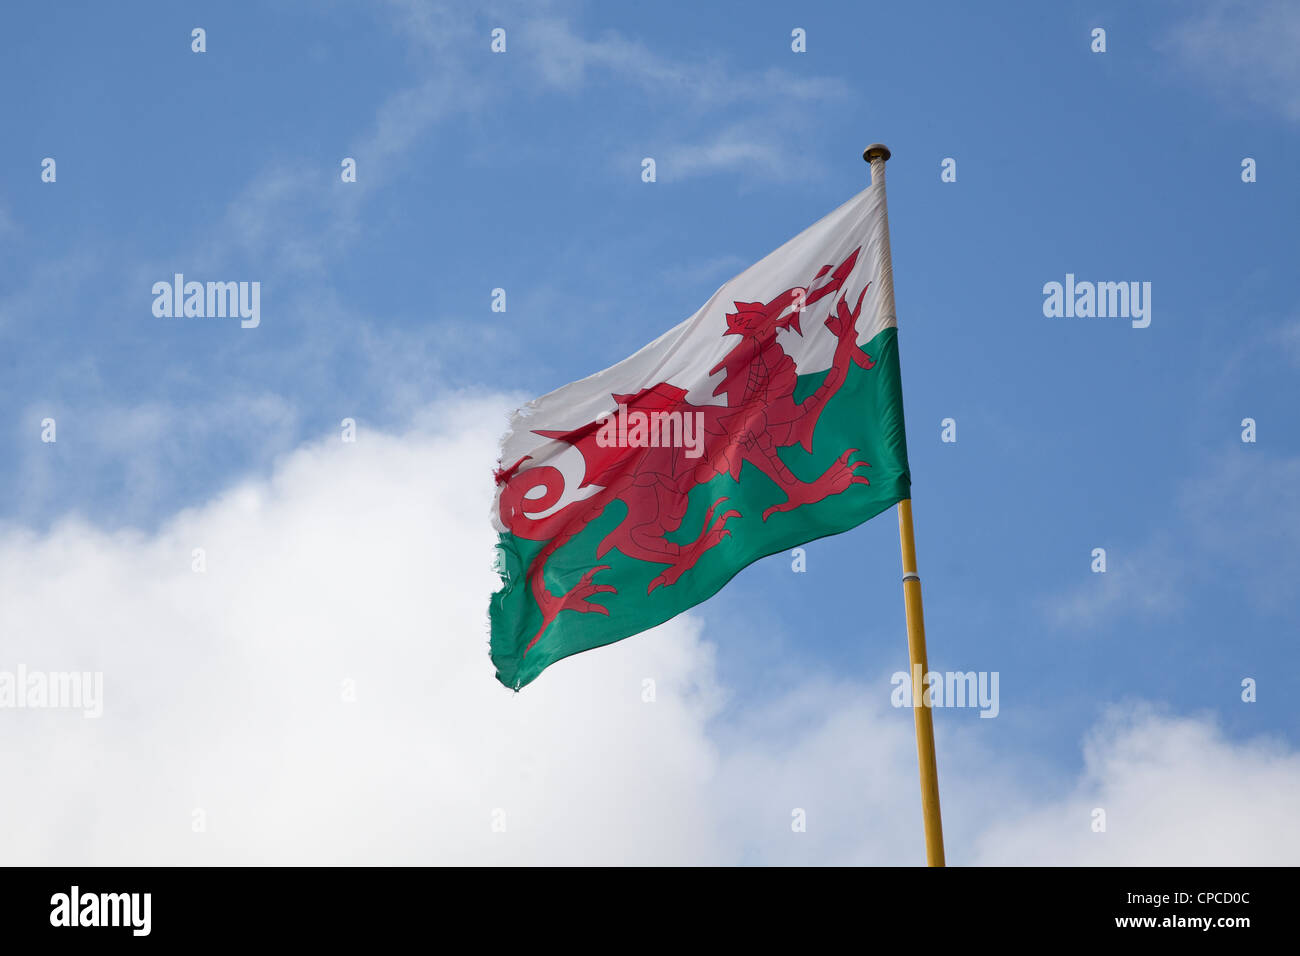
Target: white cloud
(368,562)
(1175,792)
(371,562)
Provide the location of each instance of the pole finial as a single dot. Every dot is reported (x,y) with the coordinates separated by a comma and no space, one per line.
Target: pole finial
(874,150)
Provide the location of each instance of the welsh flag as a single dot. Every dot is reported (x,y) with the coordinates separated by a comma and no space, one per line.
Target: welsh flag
(771,417)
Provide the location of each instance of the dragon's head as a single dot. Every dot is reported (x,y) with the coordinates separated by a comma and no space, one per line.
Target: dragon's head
(762,320)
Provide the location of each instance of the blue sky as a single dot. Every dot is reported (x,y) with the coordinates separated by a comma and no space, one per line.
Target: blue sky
(522,171)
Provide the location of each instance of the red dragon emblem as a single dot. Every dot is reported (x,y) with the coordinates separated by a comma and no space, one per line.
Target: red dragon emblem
(760,417)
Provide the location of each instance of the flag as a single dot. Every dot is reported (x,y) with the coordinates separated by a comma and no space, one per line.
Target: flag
(771,417)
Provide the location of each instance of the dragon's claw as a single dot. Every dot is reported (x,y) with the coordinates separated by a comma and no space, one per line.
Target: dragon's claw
(715,530)
(840,476)
(575,599)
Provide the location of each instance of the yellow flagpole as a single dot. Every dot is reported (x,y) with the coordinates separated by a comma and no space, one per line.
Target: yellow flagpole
(876,154)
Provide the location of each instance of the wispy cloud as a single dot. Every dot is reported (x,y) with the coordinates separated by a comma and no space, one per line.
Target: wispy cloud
(1244,48)
(292,220)
(1144,581)
(719,269)
(1245,514)
(1288,338)
(52,285)
(9,229)
(121,459)
(298,219)
(755,148)
(706,116)
(565,59)
(1240,515)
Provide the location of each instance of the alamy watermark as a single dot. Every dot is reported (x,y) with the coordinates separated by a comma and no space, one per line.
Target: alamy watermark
(1102,300)
(946,689)
(129,910)
(63,690)
(208,300)
(658,429)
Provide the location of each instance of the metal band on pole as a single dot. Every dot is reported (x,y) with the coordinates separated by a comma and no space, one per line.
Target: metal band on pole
(876,154)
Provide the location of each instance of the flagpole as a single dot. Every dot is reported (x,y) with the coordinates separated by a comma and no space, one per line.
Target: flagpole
(876,154)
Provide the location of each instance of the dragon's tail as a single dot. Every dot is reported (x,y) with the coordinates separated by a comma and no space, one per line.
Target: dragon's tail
(520,501)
